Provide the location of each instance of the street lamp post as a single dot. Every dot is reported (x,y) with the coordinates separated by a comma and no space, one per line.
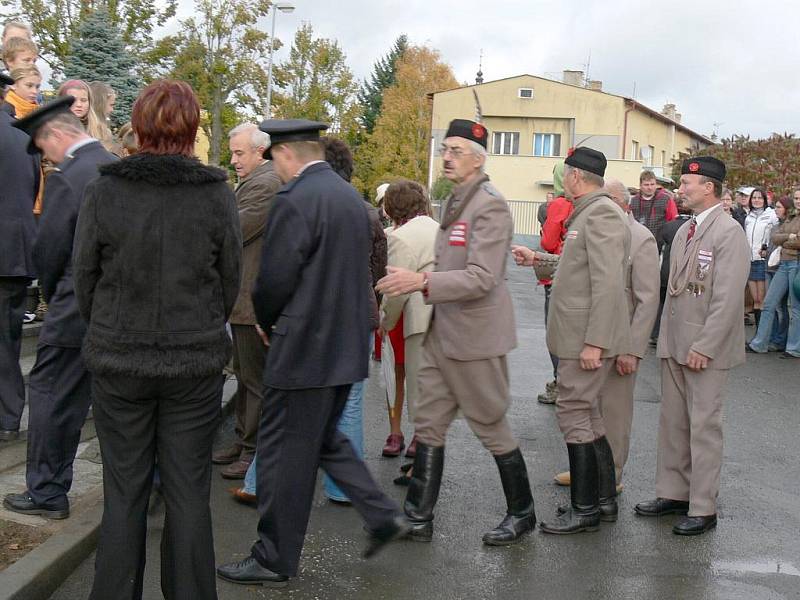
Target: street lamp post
(286,8)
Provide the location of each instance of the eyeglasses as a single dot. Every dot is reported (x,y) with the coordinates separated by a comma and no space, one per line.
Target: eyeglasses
(454,151)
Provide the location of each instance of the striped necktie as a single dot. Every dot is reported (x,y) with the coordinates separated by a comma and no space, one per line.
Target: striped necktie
(692,228)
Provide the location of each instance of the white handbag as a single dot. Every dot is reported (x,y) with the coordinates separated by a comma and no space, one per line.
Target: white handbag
(775,257)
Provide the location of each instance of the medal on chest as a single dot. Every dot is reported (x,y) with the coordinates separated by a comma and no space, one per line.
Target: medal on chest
(458,234)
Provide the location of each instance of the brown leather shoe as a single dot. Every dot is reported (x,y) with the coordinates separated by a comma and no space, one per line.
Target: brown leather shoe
(226,456)
(243,497)
(394,445)
(562,478)
(236,470)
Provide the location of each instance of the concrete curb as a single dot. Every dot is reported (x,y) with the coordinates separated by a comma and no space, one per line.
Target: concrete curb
(39,573)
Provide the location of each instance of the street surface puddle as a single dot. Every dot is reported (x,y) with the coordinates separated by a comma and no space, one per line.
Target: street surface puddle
(768,568)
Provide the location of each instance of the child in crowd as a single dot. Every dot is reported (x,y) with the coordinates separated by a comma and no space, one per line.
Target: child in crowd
(21,97)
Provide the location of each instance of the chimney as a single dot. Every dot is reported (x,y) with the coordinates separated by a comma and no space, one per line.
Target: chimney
(596,85)
(669,111)
(573,78)
(678,117)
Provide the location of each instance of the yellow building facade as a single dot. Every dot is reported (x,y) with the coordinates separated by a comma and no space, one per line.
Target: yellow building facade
(533,121)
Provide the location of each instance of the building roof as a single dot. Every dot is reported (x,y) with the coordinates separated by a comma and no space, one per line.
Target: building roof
(629,101)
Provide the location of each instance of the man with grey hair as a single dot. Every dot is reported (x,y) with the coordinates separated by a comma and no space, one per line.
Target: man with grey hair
(587,330)
(642,294)
(463,364)
(257,187)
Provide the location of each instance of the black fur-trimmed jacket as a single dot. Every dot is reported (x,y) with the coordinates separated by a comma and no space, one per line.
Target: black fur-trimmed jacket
(157,265)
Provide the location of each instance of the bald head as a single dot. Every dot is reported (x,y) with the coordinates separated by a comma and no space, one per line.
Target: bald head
(619,193)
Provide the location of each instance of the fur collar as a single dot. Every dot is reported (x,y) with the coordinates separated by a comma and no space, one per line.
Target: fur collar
(168,169)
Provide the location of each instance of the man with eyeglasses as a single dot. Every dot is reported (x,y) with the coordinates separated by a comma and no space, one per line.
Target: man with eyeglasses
(464,353)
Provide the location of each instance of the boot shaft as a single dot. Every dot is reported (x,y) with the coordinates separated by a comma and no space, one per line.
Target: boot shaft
(426,480)
(516,486)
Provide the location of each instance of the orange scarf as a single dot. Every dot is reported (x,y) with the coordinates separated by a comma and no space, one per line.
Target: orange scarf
(22,108)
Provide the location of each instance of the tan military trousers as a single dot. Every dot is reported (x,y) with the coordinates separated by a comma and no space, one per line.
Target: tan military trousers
(578,402)
(479,388)
(690,436)
(616,406)
(413,352)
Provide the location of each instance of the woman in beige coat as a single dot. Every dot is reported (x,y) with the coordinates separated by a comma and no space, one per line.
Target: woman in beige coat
(411,246)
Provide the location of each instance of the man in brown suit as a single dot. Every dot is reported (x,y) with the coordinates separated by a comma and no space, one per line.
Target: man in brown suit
(258,184)
(464,353)
(701,339)
(641,292)
(587,330)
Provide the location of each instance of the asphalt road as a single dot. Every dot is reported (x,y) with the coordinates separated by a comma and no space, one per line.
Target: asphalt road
(753,554)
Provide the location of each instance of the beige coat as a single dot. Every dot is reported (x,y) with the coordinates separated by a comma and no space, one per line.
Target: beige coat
(254,195)
(589,288)
(412,247)
(703,309)
(642,283)
(473,313)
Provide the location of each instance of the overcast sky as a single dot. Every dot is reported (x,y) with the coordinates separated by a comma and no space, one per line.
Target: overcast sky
(731,63)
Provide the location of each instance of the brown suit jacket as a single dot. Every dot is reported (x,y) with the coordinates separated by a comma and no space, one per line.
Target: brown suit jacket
(589,288)
(254,195)
(642,284)
(473,314)
(703,309)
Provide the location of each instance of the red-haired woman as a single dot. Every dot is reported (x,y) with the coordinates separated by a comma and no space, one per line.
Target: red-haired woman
(157,261)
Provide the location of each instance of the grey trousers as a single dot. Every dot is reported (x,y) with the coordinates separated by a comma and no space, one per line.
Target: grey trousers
(12,388)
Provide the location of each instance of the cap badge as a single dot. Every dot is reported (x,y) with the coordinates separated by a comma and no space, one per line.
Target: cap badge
(478,130)
(694,167)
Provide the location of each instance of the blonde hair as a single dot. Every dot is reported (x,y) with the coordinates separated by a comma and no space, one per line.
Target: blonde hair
(91,123)
(23,72)
(100,93)
(17,45)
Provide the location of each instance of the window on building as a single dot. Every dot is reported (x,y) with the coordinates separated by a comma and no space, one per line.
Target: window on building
(547,144)
(505,142)
(664,158)
(634,150)
(647,155)
(526,93)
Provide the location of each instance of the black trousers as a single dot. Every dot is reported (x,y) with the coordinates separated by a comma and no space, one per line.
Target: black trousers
(12,388)
(297,435)
(662,298)
(249,356)
(60,395)
(553,357)
(138,421)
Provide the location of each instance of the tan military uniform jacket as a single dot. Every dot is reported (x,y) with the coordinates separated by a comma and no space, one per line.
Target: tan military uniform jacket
(703,310)
(473,313)
(642,283)
(589,289)
(411,246)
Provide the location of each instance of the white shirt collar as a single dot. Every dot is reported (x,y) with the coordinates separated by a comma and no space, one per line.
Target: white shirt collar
(77,146)
(305,166)
(699,218)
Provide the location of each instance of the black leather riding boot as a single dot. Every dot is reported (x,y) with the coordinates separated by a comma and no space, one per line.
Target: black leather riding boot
(584,513)
(520,517)
(606,480)
(423,491)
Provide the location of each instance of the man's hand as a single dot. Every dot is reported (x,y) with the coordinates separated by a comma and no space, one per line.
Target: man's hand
(627,364)
(523,256)
(400,281)
(263,336)
(590,357)
(696,361)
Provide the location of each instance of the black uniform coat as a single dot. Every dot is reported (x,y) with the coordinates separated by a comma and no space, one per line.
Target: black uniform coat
(52,253)
(157,265)
(19,177)
(309,296)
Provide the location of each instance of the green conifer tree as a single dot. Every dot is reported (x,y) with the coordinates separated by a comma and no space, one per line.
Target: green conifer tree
(97,53)
(383,75)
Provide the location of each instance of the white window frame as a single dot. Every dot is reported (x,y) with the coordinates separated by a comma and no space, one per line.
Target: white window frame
(520,90)
(647,155)
(635,150)
(552,138)
(504,136)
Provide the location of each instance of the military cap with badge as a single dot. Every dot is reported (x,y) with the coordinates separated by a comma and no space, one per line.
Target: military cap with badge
(41,116)
(290,130)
